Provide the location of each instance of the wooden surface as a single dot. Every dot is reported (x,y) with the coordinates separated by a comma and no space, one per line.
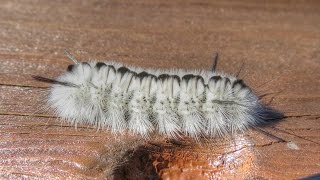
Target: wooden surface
(279,42)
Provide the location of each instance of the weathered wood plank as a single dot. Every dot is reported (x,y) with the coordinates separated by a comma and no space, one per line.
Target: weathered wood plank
(277,41)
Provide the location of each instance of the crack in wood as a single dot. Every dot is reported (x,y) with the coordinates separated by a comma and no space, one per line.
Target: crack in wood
(28,115)
(286,132)
(300,116)
(76,135)
(25,86)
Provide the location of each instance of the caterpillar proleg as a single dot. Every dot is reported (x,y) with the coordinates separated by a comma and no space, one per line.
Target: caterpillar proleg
(195,103)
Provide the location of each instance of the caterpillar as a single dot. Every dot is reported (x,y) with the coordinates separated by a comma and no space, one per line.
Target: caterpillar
(172,103)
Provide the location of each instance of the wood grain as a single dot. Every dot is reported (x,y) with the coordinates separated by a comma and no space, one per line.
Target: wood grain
(279,42)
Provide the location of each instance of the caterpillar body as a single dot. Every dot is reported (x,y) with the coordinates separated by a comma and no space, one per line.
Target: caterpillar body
(145,101)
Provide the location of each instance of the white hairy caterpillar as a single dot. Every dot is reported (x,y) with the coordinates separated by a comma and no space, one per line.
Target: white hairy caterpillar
(144,101)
